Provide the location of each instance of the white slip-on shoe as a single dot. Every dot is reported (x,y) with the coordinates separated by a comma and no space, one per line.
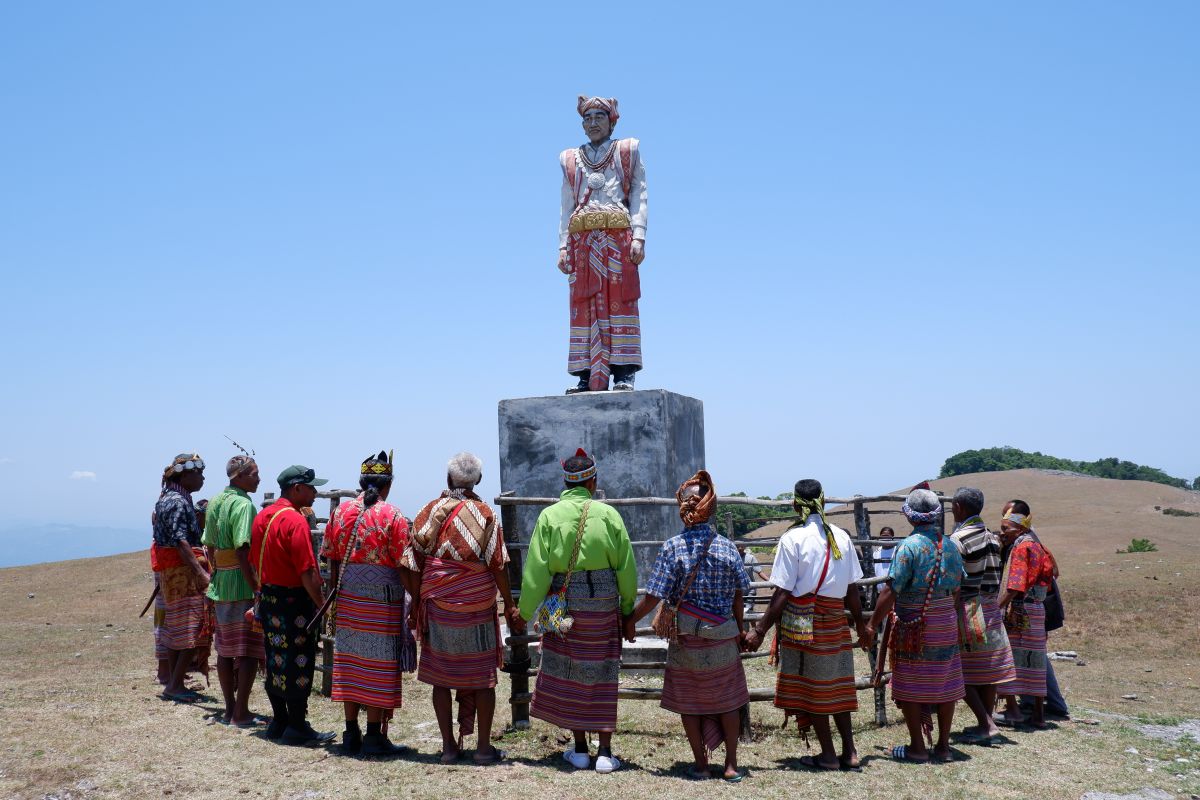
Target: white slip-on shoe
(577,760)
(607,764)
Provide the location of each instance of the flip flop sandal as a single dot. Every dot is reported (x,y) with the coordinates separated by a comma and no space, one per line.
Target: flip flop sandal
(811,762)
(693,775)
(900,753)
(187,696)
(450,758)
(845,765)
(741,773)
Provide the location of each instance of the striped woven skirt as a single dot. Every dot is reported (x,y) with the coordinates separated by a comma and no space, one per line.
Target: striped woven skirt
(989,662)
(576,685)
(1029,651)
(460,630)
(933,675)
(817,677)
(372,635)
(235,637)
(704,675)
(187,614)
(161,652)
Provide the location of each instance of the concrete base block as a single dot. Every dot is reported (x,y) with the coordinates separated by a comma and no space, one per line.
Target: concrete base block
(645,443)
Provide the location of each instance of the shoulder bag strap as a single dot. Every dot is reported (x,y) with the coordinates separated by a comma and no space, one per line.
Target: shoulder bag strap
(696,568)
(578,539)
(262,548)
(353,543)
(824,569)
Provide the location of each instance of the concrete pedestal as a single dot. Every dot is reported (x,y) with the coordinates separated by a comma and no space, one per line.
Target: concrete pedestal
(645,444)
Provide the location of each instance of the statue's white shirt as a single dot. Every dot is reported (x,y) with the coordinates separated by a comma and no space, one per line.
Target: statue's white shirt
(609,196)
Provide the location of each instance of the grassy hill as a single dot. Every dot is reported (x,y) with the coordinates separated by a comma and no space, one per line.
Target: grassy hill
(79,709)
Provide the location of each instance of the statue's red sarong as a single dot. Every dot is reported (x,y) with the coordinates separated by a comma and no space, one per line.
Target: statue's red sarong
(605,327)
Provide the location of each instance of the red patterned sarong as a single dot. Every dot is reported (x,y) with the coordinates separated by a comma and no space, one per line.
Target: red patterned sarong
(187,616)
(605,327)
(460,629)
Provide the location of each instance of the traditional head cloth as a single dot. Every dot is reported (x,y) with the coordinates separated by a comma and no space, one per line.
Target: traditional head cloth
(816,505)
(238,465)
(694,507)
(1024,521)
(930,511)
(182,462)
(377,466)
(585,474)
(606,104)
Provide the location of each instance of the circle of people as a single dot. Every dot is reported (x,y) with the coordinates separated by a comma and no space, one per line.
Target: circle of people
(954,631)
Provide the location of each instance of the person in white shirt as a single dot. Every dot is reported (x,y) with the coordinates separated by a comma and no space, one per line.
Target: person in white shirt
(882,555)
(814,571)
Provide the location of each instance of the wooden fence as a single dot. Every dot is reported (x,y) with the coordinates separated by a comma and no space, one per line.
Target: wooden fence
(519,665)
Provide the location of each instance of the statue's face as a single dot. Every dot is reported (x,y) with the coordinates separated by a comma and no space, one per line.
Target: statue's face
(596,125)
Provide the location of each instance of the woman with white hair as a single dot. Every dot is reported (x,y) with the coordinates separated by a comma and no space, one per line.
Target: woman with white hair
(457,549)
(926,573)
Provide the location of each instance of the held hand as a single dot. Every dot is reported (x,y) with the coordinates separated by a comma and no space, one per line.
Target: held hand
(202,581)
(867,638)
(753,641)
(637,251)
(515,623)
(564,262)
(630,628)
(413,618)
(861,628)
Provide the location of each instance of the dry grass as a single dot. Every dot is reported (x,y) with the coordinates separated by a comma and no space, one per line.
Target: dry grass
(91,726)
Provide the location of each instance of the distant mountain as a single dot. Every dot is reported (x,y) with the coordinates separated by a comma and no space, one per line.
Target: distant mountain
(33,544)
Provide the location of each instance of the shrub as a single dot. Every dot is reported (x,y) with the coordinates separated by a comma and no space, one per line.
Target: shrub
(1140,546)
(1179,512)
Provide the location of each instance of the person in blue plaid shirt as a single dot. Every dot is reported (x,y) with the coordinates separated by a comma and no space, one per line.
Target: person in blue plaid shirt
(700,575)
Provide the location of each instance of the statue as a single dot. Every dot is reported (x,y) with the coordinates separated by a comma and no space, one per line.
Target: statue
(601,240)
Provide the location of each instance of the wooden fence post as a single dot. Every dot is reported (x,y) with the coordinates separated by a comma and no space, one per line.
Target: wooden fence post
(862,529)
(518,665)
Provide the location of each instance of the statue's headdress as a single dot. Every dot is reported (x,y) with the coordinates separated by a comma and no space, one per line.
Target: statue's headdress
(606,104)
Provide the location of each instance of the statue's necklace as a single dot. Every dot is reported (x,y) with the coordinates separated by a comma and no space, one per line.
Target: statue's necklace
(595,180)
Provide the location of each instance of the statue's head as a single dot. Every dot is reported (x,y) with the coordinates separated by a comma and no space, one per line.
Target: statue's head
(599,116)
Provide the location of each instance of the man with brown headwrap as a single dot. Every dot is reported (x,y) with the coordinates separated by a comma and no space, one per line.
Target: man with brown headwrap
(700,575)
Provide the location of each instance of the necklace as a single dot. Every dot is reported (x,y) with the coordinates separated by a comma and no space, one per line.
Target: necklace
(602,164)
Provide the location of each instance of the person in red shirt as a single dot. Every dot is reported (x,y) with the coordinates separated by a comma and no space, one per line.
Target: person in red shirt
(281,552)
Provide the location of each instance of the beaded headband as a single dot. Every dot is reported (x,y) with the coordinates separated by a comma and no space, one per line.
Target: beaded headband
(584,474)
(377,465)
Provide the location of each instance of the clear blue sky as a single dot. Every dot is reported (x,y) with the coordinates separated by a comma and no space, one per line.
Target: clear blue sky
(878,234)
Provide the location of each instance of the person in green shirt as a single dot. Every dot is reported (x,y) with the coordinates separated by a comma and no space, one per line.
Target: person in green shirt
(577,683)
(239,639)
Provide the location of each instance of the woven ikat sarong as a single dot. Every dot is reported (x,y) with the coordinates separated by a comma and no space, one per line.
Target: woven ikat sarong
(704,674)
(576,685)
(606,328)
(817,677)
(372,637)
(933,676)
(990,662)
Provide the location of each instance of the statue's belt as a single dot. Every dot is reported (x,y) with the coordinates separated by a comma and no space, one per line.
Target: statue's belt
(597,220)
